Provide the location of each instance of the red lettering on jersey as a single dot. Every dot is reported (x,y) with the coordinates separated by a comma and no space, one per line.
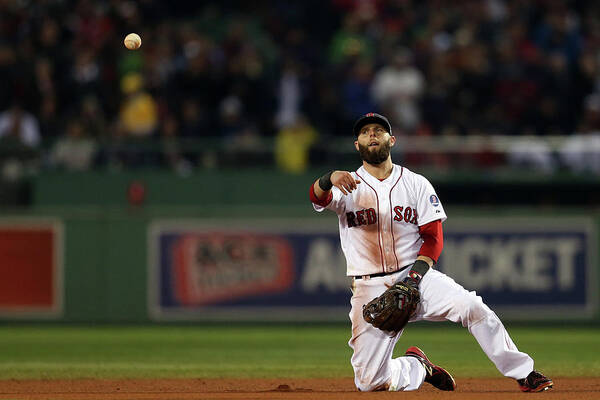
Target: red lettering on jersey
(398,211)
(371,216)
(350,219)
(407,214)
(360,217)
(414,220)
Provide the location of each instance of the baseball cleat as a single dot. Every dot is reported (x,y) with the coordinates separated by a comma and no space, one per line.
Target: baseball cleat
(535,382)
(435,375)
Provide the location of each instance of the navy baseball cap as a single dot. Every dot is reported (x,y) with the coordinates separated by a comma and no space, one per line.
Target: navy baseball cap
(371,118)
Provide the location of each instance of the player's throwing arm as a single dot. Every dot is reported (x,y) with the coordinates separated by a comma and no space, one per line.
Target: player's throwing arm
(342,180)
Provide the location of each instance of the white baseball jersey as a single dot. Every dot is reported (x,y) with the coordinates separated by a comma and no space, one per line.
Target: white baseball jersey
(379,221)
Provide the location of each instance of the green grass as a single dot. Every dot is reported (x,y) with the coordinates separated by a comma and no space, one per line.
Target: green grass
(45,351)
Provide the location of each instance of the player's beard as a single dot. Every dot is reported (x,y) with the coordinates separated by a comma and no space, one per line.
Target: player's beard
(375,157)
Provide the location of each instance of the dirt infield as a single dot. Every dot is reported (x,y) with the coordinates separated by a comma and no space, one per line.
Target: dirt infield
(251,389)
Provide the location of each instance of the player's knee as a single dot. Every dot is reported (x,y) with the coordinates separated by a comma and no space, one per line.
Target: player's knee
(366,382)
(370,386)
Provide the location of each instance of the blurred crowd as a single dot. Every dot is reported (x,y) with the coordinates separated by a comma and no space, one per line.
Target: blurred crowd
(239,72)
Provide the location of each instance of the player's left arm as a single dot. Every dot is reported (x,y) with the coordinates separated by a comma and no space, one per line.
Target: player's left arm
(431,214)
(433,242)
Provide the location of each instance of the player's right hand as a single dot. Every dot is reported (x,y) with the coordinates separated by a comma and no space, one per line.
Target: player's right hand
(344,181)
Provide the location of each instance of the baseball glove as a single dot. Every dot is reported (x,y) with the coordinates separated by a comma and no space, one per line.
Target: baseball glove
(392,310)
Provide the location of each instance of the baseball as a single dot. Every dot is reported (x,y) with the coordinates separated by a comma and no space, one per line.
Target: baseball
(133,41)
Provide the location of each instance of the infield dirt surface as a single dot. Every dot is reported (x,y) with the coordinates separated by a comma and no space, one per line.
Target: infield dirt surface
(251,389)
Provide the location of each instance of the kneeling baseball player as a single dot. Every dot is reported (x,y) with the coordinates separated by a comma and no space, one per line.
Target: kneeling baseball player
(390,221)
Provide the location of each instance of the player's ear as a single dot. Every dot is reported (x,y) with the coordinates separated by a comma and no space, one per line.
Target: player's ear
(356,145)
(392,140)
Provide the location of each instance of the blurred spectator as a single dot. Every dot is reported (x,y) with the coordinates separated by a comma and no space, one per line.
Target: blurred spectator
(356,94)
(397,88)
(86,73)
(19,140)
(47,92)
(19,126)
(138,115)
(75,150)
(193,120)
(292,146)
(243,141)
(559,32)
(49,117)
(92,117)
(8,59)
(172,153)
(350,42)
(289,95)
(232,119)
(581,152)
(591,114)
(532,154)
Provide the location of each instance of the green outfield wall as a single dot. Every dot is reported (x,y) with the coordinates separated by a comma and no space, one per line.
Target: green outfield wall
(254,187)
(271,187)
(104,250)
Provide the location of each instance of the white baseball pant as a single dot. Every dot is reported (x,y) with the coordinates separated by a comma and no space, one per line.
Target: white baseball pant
(441,299)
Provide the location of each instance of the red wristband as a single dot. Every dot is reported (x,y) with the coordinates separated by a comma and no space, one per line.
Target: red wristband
(320,202)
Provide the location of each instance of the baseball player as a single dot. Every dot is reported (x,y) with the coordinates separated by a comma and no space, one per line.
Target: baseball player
(390,221)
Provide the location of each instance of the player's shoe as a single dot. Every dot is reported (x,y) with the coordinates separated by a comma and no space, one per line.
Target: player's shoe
(535,382)
(435,375)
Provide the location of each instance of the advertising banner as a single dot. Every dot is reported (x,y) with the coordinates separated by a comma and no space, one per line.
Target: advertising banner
(31,268)
(529,268)
(525,268)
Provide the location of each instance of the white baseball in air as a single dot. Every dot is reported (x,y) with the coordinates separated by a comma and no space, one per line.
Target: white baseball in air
(133,41)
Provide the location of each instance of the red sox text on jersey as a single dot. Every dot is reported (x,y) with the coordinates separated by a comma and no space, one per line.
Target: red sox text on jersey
(369,216)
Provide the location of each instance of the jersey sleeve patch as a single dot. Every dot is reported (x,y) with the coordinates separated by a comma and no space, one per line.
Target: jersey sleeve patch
(433,199)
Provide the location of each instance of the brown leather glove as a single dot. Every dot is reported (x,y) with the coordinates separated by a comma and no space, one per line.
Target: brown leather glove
(392,310)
